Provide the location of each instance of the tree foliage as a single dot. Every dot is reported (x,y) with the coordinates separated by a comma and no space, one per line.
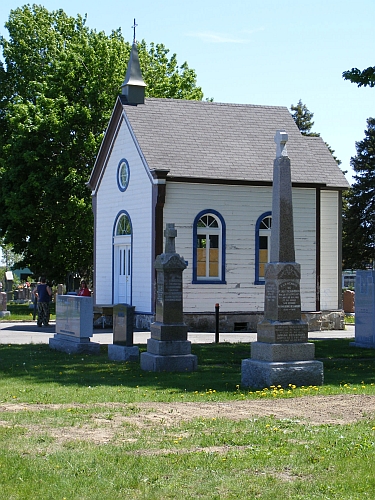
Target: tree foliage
(303,118)
(359,207)
(58,85)
(365,78)
(9,258)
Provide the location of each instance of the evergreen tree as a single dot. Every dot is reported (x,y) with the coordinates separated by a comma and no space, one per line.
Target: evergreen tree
(359,207)
(303,118)
(58,85)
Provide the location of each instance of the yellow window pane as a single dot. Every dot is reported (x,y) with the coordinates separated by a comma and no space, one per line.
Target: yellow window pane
(214,269)
(263,259)
(263,256)
(201,262)
(214,262)
(261,270)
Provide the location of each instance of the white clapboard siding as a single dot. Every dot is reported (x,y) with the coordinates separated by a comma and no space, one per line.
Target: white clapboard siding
(329,272)
(137,202)
(240,207)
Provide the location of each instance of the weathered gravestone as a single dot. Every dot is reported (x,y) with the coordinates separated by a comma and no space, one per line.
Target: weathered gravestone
(3,305)
(364,309)
(168,348)
(282,354)
(122,348)
(349,301)
(74,325)
(9,285)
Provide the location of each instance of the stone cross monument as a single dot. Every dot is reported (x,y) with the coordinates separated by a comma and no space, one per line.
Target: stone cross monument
(282,354)
(168,348)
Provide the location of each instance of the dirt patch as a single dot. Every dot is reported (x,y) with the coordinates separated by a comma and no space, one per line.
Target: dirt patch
(316,410)
(111,421)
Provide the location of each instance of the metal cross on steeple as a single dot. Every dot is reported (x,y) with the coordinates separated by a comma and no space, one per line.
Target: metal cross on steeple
(133,27)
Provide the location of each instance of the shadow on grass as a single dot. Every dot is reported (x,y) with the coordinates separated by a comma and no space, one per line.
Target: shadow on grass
(219,367)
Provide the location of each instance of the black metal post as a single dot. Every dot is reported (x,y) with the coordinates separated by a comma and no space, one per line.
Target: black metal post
(217,307)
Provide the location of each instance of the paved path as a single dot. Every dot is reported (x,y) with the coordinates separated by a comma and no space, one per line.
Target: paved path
(28,332)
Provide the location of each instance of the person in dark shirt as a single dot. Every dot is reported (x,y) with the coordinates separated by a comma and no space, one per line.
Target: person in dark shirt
(43,293)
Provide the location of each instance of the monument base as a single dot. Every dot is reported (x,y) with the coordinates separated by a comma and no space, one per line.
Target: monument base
(173,363)
(364,345)
(168,356)
(170,331)
(261,374)
(299,351)
(282,331)
(73,345)
(123,353)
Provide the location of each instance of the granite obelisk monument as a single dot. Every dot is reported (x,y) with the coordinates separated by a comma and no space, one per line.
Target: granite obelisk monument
(282,354)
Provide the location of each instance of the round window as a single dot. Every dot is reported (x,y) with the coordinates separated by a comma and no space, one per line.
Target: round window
(123,175)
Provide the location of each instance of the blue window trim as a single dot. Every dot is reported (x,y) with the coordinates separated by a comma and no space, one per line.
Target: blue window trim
(122,212)
(220,281)
(258,281)
(122,188)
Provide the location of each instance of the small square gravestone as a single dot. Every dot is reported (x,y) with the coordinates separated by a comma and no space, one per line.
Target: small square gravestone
(74,325)
(122,348)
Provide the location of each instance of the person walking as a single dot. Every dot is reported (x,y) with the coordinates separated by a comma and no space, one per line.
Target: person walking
(43,293)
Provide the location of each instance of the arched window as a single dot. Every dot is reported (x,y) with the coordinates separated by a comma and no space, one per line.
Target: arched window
(209,245)
(262,246)
(123,227)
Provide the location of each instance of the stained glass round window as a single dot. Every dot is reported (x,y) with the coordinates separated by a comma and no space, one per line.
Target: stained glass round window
(123,175)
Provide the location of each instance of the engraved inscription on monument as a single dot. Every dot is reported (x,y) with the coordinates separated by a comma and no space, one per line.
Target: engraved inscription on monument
(290,333)
(173,288)
(271,294)
(289,295)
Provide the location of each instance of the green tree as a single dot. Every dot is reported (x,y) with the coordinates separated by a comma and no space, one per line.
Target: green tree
(9,258)
(359,207)
(303,118)
(58,85)
(365,78)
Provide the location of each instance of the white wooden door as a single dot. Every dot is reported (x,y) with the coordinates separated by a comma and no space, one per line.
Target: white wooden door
(122,274)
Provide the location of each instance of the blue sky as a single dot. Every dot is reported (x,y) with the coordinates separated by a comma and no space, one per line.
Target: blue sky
(268,52)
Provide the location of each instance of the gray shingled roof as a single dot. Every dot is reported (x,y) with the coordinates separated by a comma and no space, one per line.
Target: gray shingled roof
(196,139)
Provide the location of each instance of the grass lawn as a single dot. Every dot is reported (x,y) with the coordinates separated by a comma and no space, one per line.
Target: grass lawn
(23,312)
(71,427)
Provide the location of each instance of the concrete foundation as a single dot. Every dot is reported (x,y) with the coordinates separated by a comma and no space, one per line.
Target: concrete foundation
(260,374)
(73,346)
(282,352)
(171,363)
(123,353)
